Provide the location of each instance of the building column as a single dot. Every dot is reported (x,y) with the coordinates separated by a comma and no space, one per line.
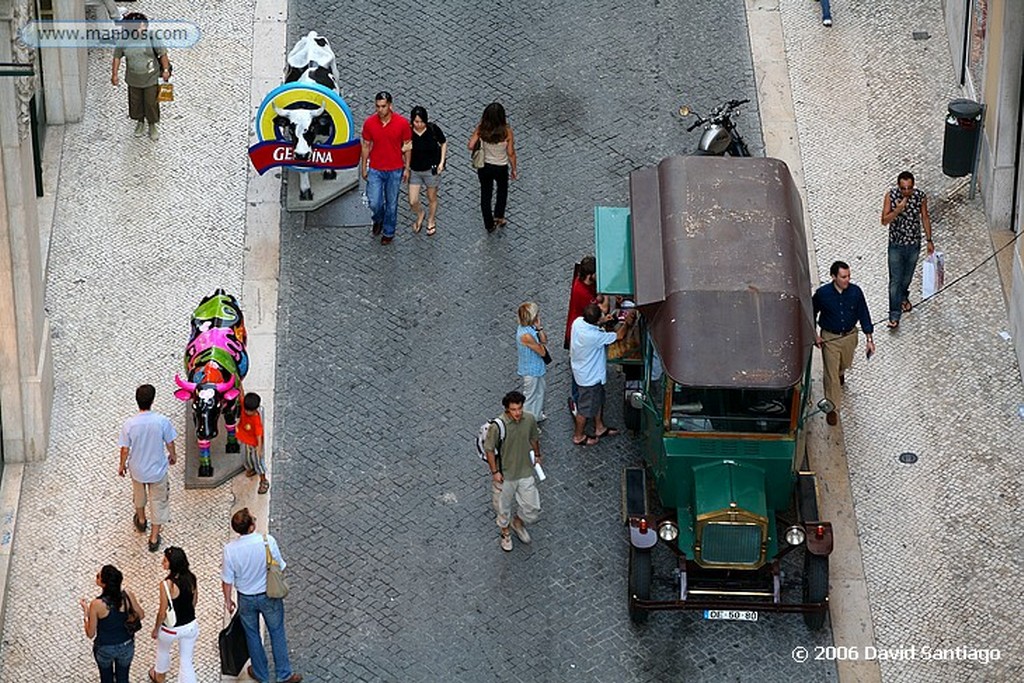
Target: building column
(26,372)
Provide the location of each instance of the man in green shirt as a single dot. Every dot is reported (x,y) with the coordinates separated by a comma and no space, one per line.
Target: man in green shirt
(512,471)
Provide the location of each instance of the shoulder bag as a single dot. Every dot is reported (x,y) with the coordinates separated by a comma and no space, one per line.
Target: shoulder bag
(478,154)
(170,618)
(132,622)
(277,587)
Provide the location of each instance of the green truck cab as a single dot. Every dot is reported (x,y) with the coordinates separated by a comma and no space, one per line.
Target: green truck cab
(713,253)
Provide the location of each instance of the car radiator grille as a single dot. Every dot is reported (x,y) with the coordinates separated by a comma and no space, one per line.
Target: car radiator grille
(731,543)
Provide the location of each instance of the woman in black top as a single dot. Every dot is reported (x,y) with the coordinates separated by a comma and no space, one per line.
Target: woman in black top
(113,645)
(178,589)
(426,163)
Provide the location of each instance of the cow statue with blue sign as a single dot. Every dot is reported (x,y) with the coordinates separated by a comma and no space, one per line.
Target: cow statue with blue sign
(305,123)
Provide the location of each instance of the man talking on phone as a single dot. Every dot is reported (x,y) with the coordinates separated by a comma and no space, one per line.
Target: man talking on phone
(838,306)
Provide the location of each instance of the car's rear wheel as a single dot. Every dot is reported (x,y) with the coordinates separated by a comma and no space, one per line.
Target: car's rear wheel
(815,588)
(639,582)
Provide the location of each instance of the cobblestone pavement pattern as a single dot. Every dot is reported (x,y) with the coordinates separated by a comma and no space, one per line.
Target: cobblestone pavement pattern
(392,357)
(142,231)
(942,538)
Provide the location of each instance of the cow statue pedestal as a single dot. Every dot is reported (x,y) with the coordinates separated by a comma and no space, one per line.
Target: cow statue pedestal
(324,191)
(225,465)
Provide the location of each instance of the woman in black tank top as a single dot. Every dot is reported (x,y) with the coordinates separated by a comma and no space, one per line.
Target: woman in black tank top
(105,617)
(176,618)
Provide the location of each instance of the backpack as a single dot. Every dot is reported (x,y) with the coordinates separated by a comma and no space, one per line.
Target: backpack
(481,438)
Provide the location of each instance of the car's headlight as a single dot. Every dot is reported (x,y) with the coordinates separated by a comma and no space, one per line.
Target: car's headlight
(795,535)
(668,531)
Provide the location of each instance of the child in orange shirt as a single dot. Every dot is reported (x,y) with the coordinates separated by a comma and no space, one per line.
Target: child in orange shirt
(250,435)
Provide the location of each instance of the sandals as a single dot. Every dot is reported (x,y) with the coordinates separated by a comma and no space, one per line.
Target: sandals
(264,486)
(152,676)
(906,307)
(893,324)
(608,431)
(419,224)
(431,229)
(587,441)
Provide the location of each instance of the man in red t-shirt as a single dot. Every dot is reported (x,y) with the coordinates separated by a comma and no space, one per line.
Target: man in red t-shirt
(384,163)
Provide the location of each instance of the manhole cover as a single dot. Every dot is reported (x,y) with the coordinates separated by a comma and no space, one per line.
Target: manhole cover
(908,458)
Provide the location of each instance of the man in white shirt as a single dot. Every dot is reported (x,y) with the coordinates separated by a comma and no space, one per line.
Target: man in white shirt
(142,441)
(244,570)
(590,371)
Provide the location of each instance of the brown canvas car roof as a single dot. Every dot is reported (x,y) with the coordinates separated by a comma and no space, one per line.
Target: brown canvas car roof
(721,272)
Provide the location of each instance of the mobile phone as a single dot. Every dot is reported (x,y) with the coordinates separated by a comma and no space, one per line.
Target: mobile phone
(433,170)
(868,354)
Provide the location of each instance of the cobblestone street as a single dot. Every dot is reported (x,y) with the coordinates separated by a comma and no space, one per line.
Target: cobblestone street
(392,357)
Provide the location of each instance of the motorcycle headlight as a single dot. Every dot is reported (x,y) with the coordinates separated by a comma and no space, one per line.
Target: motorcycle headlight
(795,535)
(668,531)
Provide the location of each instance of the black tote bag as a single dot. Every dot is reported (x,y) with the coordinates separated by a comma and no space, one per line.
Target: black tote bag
(234,650)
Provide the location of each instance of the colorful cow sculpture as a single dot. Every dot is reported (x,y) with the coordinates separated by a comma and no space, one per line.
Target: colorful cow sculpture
(216,362)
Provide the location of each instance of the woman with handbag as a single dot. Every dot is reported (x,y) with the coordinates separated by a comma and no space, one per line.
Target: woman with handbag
(494,158)
(532,340)
(112,620)
(176,619)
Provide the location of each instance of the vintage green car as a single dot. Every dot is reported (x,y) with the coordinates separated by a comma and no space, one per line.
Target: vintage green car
(712,251)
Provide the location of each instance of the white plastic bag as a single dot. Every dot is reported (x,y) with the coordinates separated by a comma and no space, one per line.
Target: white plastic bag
(933,274)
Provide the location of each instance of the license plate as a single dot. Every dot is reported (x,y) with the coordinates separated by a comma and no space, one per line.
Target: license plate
(730,614)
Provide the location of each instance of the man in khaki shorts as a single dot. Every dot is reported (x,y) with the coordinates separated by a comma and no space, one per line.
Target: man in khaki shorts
(142,442)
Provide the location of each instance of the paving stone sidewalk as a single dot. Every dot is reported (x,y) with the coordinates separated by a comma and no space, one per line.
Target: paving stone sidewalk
(142,232)
(941,538)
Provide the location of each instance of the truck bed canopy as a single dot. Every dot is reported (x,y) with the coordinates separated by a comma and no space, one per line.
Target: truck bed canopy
(720,270)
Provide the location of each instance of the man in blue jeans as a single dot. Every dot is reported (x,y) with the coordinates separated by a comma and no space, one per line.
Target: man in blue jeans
(826,13)
(245,571)
(384,161)
(905,211)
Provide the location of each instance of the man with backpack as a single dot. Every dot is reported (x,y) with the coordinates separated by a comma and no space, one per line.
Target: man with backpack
(508,456)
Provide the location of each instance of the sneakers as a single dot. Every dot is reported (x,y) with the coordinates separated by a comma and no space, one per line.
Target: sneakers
(520,529)
(155,545)
(140,129)
(506,542)
(154,133)
(826,22)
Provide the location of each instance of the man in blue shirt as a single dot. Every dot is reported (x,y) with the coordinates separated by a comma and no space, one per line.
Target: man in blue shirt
(590,371)
(838,307)
(143,439)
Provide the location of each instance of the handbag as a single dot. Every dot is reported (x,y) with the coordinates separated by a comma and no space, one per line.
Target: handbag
(478,155)
(277,587)
(132,622)
(166,93)
(546,356)
(170,618)
(234,649)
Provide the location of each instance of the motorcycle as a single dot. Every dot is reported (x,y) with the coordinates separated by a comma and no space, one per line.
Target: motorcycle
(720,134)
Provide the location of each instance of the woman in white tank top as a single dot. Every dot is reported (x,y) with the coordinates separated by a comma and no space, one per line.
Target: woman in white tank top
(494,136)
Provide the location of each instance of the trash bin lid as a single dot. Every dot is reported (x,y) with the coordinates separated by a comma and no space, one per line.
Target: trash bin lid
(965,109)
